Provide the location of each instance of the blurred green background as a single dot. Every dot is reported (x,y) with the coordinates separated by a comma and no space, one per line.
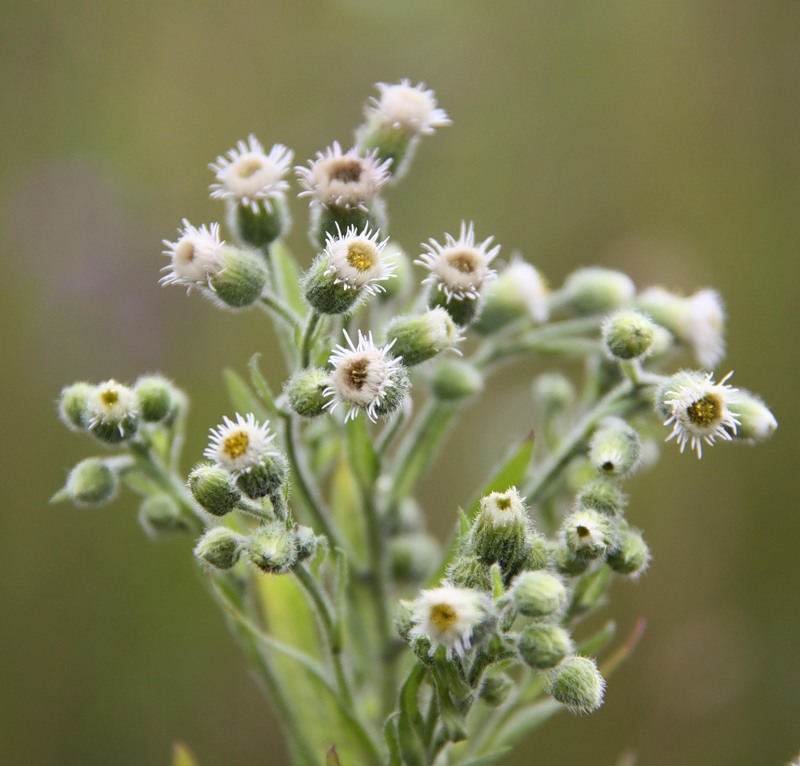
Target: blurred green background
(658,137)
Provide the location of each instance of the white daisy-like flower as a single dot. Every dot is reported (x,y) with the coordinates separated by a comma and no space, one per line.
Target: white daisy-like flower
(460,267)
(110,403)
(355,260)
(448,616)
(411,109)
(248,175)
(699,410)
(364,377)
(195,256)
(502,509)
(240,446)
(343,179)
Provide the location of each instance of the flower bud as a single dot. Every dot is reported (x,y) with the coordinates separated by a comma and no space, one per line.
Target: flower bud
(219,548)
(272,548)
(306,542)
(240,280)
(615,448)
(554,392)
(266,478)
(631,556)
(538,594)
(588,534)
(159,515)
(260,223)
(627,334)
(419,338)
(495,687)
(468,571)
(577,684)
(597,291)
(413,556)
(567,562)
(537,553)
(463,311)
(518,294)
(324,293)
(91,482)
(602,496)
(155,398)
(73,404)
(455,380)
(404,618)
(500,530)
(211,486)
(326,220)
(305,392)
(111,412)
(543,646)
(756,422)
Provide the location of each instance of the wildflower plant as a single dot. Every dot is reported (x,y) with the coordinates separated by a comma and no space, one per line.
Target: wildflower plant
(376,644)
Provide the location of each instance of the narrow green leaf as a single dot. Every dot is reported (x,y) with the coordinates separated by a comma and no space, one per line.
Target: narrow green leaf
(497,581)
(526,719)
(260,384)
(592,645)
(332,757)
(345,503)
(390,736)
(182,756)
(241,395)
(361,453)
(287,277)
(510,473)
(410,723)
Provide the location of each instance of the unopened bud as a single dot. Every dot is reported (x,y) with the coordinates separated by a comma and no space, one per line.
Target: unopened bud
(159,515)
(304,391)
(266,478)
(111,412)
(588,533)
(597,291)
(631,556)
(543,646)
(539,594)
(628,334)
(567,562)
(272,548)
(241,278)
(615,448)
(72,406)
(413,556)
(756,422)
(219,548)
(155,398)
(306,542)
(91,482)
(468,571)
(577,684)
(554,391)
(463,311)
(404,618)
(519,293)
(455,380)
(260,222)
(495,687)
(419,338)
(499,533)
(211,486)
(603,496)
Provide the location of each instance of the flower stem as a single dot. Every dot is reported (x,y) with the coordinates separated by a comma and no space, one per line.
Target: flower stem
(308,338)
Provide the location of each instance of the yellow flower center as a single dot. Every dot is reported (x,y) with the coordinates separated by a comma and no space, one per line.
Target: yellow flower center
(109,397)
(705,411)
(361,256)
(248,166)
(463,261)
(443,616)
(236,444)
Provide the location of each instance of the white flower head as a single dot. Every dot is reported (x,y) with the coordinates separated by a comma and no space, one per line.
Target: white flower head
(195,256)
(355,260)
(240,446)
(343,179)
(699,410)
(411,109)
(502,509)
(448,616)
(248,175)
(460,267)
(587,533)
(364,377)
(110,403)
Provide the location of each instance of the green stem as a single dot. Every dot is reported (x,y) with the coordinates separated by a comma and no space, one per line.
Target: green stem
(308,337)
(281,310)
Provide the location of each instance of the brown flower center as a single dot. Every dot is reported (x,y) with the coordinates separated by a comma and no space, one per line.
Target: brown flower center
(357,372)
(347,171)
(463,261)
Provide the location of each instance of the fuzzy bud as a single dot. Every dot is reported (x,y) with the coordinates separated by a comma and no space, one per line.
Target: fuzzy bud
(756,422)
(455,380)
(91,482)
(628,334)
(615,448)
(413,556)
(324,293)
(272,549)
(602,496)
(240,279)
(419,338)
(306,542)
(266,478)
(304,391)
(155,398)
(500,530)
(631,556)
(577,684)
(72,405)
(588,534)
(468,571)
(518,294)
(567,562)
(219,548)
(554,392)
(539,594)
(543,646)
(537,553)
(211,486)
(404,618)
(463,311)
(597,291)
(495,687)
(159,515)
(258,224)
(111,412)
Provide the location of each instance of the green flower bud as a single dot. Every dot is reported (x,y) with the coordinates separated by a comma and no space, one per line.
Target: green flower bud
(155,398)
(756,422)
(240,279)
(495,687)
(211,486)
(73,406)
(597,291)
(631,556)
(627,334)
(519,293)
(266,478)
(404,618)
(329,220)
(272,548)
(159,515)
(468,571)
(260,222)
(455,380)
(602,496)
(306,542)
(500,530)
(577,684)
(567,562)
(324,293)
(588,534)
(463,311)
(539,594)
(544,646)
(413,556)
(304,391)
(615,448)
(219,548)
(111,412)
(554,392)
(91,482)
(419,338)
(537,554)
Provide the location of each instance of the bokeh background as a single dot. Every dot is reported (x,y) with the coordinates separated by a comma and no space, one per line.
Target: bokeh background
(657,137)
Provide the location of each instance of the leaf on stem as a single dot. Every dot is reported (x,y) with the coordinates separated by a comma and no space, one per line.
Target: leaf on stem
(242,396)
